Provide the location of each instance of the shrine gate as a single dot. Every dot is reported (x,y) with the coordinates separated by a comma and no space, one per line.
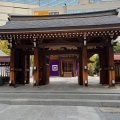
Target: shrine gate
(77,35)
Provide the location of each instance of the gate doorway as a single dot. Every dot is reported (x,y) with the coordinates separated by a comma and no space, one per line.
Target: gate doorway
(94,69)
(63,68)
(67,68)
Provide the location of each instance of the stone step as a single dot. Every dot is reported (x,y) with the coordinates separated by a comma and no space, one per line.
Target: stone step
(63,102)
(58,96)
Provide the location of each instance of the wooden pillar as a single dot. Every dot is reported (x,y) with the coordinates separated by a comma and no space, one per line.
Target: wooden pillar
(100,61)
(47,70)
(12,67)
(103,68)
(36,66)
(84,65)
(22,80)
(74,67)
(111,67)
(18,66)
(61,69)
(80,74)
(27,69)
(42,69)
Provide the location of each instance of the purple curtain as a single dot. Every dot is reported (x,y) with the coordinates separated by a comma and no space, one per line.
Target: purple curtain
(54,68)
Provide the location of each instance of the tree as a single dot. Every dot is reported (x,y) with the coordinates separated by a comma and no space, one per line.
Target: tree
(93,67)
(117,48)
(4,46)
(31,60)
(97,64)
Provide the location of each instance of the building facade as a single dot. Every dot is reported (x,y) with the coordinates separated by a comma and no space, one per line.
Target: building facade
(76,6)
(14,7)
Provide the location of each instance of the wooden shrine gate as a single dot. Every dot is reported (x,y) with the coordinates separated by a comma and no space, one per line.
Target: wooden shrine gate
(81,35)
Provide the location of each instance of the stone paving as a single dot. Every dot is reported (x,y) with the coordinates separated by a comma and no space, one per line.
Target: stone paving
(40,112)
(33,112)
(112,116)
(60,84)
(110,113)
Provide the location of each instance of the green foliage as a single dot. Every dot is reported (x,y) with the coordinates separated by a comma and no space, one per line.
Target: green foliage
(117,48)
(91,66)
(31,60)
(4,46)
(97,64)
(94,65)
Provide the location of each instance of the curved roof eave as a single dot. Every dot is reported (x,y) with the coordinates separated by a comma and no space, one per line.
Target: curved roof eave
(62,29)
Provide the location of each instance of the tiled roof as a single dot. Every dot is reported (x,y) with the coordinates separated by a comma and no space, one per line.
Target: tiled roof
(106,20)
(4,58)
(62,21)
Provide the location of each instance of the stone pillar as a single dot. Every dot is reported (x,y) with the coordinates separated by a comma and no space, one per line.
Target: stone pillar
(65,9)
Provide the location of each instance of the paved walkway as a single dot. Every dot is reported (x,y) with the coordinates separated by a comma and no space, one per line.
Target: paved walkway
(48,113)
(33,112)
(58,84)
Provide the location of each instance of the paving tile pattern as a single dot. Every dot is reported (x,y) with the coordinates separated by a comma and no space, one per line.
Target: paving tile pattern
(32,112)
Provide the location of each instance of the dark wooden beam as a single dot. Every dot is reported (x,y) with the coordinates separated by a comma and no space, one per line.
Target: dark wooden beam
(98,44)
(23,46)
(56,52)
(45,45)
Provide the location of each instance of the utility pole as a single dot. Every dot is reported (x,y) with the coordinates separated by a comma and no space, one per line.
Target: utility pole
(39,2)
